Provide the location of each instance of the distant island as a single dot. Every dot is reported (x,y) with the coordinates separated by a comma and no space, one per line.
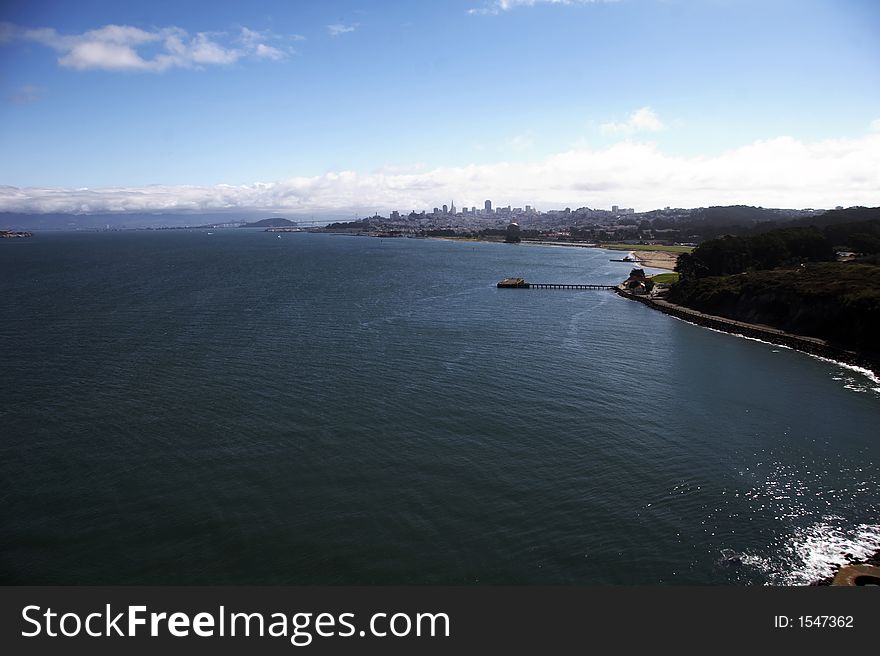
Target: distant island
(276,222)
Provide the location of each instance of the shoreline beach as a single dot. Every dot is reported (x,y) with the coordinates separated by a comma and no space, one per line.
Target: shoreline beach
(657,259)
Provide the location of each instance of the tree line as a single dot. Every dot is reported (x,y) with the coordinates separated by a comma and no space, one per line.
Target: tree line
(776,248)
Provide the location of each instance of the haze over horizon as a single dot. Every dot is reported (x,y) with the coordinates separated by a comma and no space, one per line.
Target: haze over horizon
(346,106)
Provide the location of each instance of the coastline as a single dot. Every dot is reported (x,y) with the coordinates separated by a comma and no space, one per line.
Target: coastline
(654,259)
(810,345)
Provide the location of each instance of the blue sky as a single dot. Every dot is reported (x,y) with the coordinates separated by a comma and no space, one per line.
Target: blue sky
(340,106)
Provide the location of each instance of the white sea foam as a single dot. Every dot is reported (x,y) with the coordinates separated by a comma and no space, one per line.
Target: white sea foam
(815,552)
(850,383)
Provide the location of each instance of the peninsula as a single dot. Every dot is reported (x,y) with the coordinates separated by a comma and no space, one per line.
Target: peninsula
(812,287)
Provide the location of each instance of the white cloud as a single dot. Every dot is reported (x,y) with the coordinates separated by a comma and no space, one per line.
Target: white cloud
(641,120)
(268,52)
(780,172)
(338,28)
(875,125)
(497,6)
(127,48)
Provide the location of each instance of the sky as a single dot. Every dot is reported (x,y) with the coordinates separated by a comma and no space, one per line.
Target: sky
(347,107)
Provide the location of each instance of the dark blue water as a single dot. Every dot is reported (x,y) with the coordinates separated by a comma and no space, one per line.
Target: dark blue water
(179,407)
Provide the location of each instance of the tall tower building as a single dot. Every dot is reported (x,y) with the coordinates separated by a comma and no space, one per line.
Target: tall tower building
(452,208)
(488,206)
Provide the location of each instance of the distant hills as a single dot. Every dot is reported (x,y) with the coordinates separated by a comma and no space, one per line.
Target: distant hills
(137,220)
(671,225)
(118,221)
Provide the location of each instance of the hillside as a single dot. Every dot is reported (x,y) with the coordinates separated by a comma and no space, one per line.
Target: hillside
(838,302)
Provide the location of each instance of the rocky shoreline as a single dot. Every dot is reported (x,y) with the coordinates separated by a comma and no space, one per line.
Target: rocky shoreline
(811,345)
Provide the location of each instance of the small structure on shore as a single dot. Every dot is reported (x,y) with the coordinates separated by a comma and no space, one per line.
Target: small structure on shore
(513,234)
(637,283)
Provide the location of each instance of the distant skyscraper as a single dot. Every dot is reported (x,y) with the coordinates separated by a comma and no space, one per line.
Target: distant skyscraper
(445,209)
(614,208)
(488,206)
(452,209)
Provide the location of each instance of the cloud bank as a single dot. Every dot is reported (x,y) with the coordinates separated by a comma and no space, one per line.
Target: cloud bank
(127,48)
(780,172)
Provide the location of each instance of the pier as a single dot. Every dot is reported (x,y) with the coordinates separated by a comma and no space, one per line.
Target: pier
(519,283)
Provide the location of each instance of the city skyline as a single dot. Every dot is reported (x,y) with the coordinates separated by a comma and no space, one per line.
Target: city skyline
(340,107)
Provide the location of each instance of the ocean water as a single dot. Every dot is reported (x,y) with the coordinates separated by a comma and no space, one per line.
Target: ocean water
(184,407)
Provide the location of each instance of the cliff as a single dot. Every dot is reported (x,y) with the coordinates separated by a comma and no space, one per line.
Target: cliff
(836,302)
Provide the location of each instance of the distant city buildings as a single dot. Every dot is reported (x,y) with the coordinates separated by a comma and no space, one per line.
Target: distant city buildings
(584,224)
(489,216)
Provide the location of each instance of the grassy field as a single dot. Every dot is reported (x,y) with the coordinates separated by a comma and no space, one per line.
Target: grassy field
(665,278)
(647,247)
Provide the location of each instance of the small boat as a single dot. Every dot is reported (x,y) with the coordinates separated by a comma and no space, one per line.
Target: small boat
(626,259)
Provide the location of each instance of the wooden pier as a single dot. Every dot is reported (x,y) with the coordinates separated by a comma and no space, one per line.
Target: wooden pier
(519,283)
(553,285)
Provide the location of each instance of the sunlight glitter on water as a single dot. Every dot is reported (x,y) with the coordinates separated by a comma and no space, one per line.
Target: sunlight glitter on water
(815,552)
